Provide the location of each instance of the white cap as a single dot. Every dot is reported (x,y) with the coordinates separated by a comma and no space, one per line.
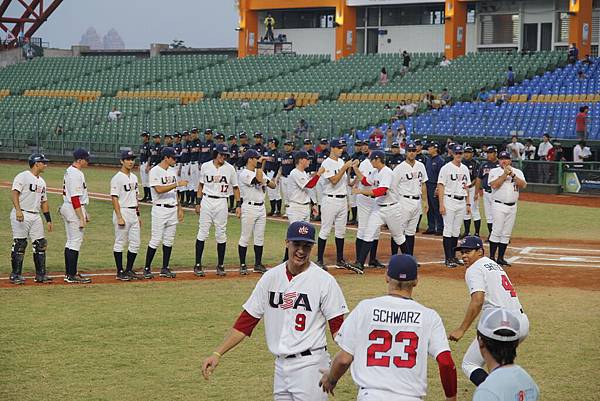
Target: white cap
(495,319)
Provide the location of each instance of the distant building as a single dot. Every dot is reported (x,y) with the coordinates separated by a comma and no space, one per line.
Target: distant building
(112,40)
(92,39)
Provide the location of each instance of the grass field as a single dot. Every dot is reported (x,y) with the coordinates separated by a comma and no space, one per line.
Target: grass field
(146,341)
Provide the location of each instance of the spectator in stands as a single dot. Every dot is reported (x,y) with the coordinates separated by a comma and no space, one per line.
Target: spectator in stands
(383,77)
(389,137)
(581,75)
(59,130)
(483,96)
(529,151)
(572,54)
(515,148)
(290,103)
(245,103)
(376,136)
(269,25)
(428,98)
(301,128)
(445,62)
(409,109)
(587,60)
(501,97)
(401,132)
(581,153)
(387,106)
(556,153)
(405,62)
(114,115)
(581,122)
(445,97)
(510,77)
(543,149)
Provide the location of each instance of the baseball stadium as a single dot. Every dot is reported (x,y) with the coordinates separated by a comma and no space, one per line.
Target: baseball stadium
(300,200)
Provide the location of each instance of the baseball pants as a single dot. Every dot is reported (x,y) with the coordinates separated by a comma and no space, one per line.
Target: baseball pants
(297,379)
(366,394)
(144,174)
(488,207)
(274,193)
(164,226)
(194,176)
(318,191)
(434,218)
(388,215)
(129,234)
(455,214)
(186,175)
(312,192)
(254,221)
(504,221)
(213,211)
(298,212)
(31,227)
(364,208)
(72,230)
(351,197)
(410,210)
(334,213)
(474,360)
(179,170)
(283,183)
(474,206)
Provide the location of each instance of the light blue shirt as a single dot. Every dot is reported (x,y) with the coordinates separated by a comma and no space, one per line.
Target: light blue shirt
(511,383)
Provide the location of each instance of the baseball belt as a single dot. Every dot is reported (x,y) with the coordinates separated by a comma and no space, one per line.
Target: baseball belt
(412,197)
(456,197)
(507,204)
(308,352)
(255,203)
(337,196)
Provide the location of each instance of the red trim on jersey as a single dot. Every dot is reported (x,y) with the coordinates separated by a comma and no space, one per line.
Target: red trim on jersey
(379,191)
(289,275)
(335,323)
(447,373)
(75,202)
(313,181)
(246,323)
(365,182)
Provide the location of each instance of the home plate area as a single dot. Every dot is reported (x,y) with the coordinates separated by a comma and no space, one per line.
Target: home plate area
(559,257)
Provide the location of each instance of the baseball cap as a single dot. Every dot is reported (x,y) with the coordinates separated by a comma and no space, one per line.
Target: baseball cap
(208,131)
(373,146)
(251,153)
(358,142)
(301,231)
(377,154)
(222,149)
(458,149)
(145,133)
(167,152)
(433,145)
(81,153)
(168,135)
(495,319)
(470,242)
(395,145)
(194,129)
(504,155)
(469,149)
(156,135)
(289,142)
(308,141)
(220,136)
(258,134)
(127,154)
(231,137)
(402,268)
(301,155)
(411,147)
(274,140)
(324,141)
(37,157)
(337,143)
(243,135)
(185,133)
(418,142)
(491,149)
(178,135)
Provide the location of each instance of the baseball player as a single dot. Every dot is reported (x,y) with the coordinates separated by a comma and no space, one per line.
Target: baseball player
(296,299)
(409,186)
(396,157)
(178,147)
(319,159)
(74,213)
(433,165)
(144,165)
(506,182)
(352,182)
(272,162)
(386,341)
(234,159)
(258,143)
(452,188)
(287,165)
(498,335)
(126,220)
(219,138)
(483,183)
(208,146)
(184,172)
(311,169)
(489,287)
(216,177)
(195,148)
(252,183)
(155,148)
(29,198)
(473,167)
(334,207)
(168,141)
(385,210)
(166,212)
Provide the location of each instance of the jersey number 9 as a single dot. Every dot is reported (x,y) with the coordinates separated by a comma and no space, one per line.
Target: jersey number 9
(408,338)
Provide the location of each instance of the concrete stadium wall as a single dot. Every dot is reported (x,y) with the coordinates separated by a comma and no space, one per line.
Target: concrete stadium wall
(58,53)
(412,38)
(10,57)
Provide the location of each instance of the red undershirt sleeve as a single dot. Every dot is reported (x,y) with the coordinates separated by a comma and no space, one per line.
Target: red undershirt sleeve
(447,373)
(335,323)
(365,182)
(380,191)
(75,202)
(246,323)
(313,181)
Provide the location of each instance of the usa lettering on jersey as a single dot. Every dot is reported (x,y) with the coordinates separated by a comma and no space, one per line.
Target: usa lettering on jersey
(289,300)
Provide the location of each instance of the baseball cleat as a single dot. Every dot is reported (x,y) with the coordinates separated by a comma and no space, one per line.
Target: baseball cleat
(450,264)
(122,276)
(376,264)
(243,270)
(322,265)
(17,279)
(341,264)
(83,280)
(429,232)
(259,269)
(166,272)
(199,271)
(148,274)
(458,261)
(503,262)
(133,275)
(77,279)
(43,279)
(356,268)
(221,271)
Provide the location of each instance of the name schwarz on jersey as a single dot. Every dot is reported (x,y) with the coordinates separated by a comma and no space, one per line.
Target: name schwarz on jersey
(388,316)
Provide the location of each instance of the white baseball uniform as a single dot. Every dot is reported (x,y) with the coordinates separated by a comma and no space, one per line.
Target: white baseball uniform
(216,182)
(125,188)
(334,207)
(407,184)
(254,214)
(296,310)
(73,185)
(364,203)
(487,276)
(32,192)
(505,205)
(164,207)
(390,338)
(298,196)
(455,180)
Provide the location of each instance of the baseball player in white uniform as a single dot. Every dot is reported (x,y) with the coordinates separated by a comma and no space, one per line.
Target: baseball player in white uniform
(483,184)
(166,211)
(216,178)
(408,183)
(74,213)
(29,198)
(453,195)
(299,184)
(124,191)
(297,299)
(386,341)
(252,182)
(334,206)
(506,182)
(489,287)
(386,209)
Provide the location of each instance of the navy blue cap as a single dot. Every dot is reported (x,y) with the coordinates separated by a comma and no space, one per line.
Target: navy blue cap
(156,135)
(208,131)
(220,136)
(243,135)
(81,153)
(411,147)
(373,146)
(358,142)
(231,137)
(127,154)
(469,148)
(470,242)
(337,143)
(377,154)
(433,145)
(458,149)
(258,134)
(308,141)
(289,142)
(324,141)
(185,132)
(194,129)
(396,145)
(251,153)
(491,149)
(504,155)
(301,155)
(145,133)
(274,140)
(167,151)
(178,135)
(418,142)
(167,135)
(222,149)
(301,231)
(402,268)
(37,157)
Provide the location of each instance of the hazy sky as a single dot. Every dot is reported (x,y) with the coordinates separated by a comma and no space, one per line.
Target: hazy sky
(200,23)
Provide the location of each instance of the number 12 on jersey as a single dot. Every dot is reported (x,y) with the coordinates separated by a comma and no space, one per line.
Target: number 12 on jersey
(384,343)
